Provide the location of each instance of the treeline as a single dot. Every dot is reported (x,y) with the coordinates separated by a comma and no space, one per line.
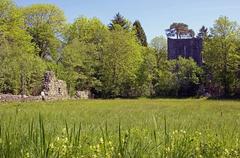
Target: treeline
(110,61)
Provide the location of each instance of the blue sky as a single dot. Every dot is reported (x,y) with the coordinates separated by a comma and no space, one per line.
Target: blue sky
(155,15)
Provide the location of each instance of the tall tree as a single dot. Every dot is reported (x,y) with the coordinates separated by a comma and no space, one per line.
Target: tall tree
(179,77)
(159,44)
(222,56)
(146,73)
(203,32)
(179,30)
(21,70)
(191,33)
(119,20)
(122,58)
(45,23)
(141,36)
(12,24)
(83,53)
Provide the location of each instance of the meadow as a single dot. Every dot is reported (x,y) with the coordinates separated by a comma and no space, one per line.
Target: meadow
(121,128)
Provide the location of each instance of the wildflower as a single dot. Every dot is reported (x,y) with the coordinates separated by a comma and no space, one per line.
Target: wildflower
(175,132)
(167,149)
(182,131)
(64,130)
(27,155)
(101,140)
(66,140)
(98,146)
(51,146)
(198,133)
(197,148)
(226,151)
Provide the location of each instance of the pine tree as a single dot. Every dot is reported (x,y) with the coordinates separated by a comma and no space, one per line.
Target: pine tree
(203,32)
(179,30)
(141,36)
(119,20)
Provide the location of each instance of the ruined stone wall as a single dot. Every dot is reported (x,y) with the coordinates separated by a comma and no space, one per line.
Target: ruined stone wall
(185,48)
(83,94)
(13,98)
(54,87)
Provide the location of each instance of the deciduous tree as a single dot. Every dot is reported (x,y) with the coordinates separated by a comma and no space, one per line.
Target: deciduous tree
(222,56)
(45,23)
(122,57)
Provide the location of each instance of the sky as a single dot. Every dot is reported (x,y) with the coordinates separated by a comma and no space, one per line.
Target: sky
(154,15)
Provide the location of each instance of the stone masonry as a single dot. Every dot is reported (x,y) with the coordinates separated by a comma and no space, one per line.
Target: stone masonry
(53,87)
(185,48)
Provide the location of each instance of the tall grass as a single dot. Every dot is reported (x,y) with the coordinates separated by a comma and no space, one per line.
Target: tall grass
(120,128)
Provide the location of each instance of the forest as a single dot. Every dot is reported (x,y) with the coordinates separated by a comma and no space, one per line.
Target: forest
(113,60)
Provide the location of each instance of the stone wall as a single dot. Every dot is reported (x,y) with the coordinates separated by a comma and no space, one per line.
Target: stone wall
(83,94)
(10,97)
(186,48)
(53,87)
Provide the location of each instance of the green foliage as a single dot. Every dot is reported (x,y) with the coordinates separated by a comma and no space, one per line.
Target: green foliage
(45,23)
(80,63)
(122,57)
(87,30)
(179,30)
(187,76)
(141,36)
(146,73)
(111,61)
(120,21)
(20,70)
(159,44)
(11,26)
(203,32)
(179,77)
(222,57)
(83,53)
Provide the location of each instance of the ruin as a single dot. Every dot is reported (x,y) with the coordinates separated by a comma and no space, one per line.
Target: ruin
(53,87)
(83,94)
(186,48)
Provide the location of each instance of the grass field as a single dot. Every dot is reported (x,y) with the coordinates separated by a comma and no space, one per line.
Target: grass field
(121,128)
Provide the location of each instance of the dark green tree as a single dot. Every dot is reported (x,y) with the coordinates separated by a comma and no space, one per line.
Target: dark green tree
(119,20)
(141,36)
(179,30)
(203,32)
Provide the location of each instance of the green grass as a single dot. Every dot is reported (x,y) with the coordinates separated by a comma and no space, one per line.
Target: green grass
(121,128)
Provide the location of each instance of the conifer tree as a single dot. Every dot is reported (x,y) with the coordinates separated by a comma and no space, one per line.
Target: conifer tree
(141,36)
(203,32)
(119,20)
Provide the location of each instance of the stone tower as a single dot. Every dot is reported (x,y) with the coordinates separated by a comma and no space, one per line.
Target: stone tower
(185,48)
